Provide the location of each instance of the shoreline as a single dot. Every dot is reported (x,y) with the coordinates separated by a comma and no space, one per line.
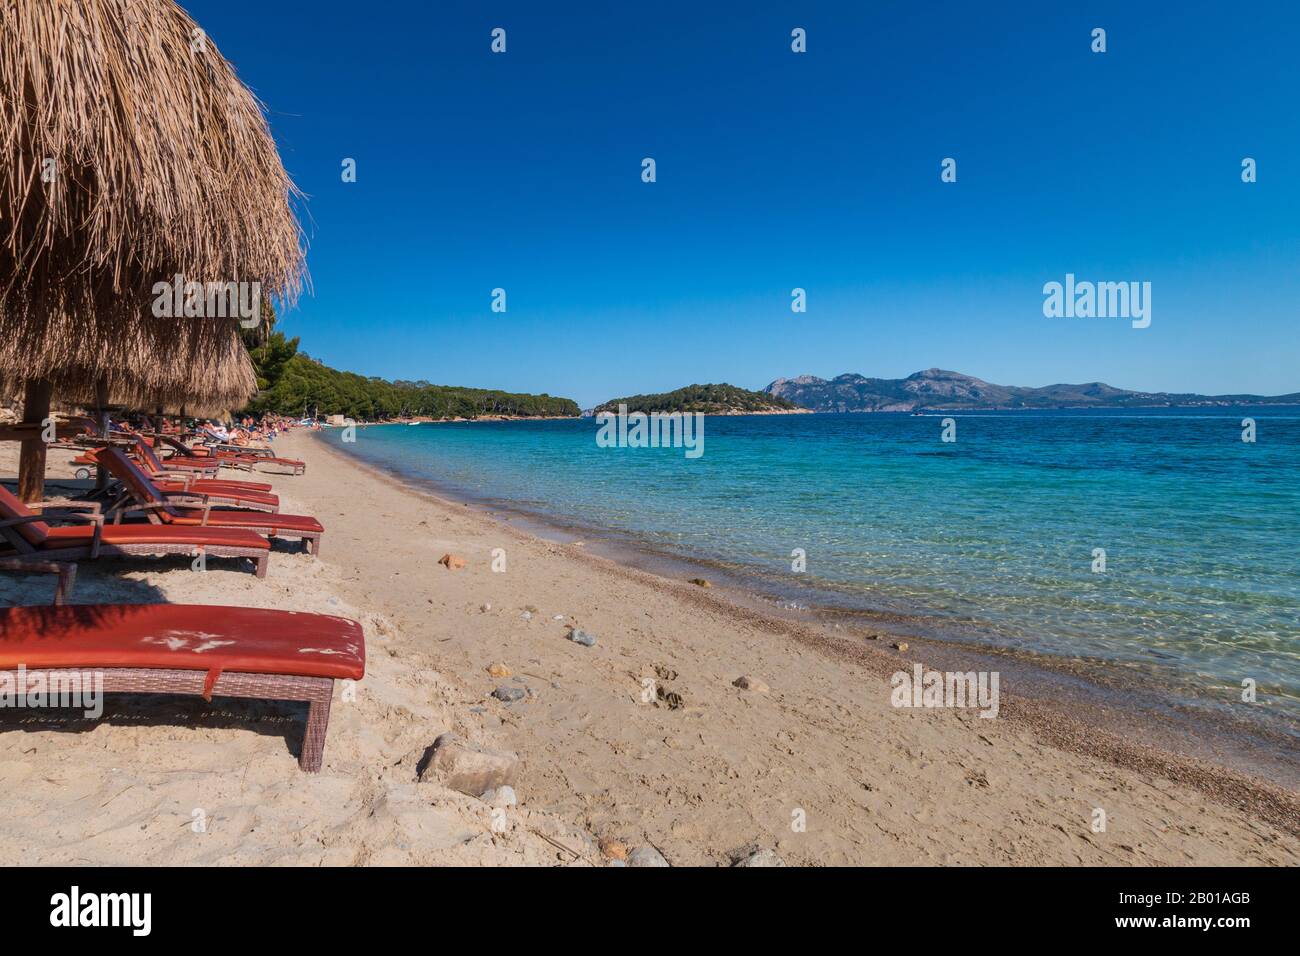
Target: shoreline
(462,421)
(1104,731)
(702,773)
(1187,719)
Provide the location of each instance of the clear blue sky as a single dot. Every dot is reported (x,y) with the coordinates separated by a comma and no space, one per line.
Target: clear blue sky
(778,170)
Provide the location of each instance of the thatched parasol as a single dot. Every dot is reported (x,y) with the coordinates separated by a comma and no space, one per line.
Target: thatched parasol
(206,368)
(130,154)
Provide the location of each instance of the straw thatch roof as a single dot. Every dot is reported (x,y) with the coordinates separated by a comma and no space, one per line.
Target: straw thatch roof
(162,164)
(209,372)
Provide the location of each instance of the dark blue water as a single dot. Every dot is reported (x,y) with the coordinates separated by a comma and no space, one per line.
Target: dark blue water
(994,532)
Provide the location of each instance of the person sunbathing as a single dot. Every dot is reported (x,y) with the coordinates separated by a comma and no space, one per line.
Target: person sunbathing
(216,432)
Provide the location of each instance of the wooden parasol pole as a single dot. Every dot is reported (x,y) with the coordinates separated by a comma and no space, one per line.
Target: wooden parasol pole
(31,457)
(101,403)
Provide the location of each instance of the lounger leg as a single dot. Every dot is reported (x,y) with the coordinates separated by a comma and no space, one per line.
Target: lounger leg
(313,741)
(261,565)
(67,575)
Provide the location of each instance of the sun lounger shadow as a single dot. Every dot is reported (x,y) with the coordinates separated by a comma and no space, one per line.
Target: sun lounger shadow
(86,616)
(269,718)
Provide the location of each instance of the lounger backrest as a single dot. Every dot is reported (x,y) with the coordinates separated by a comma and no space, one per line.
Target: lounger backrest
(129,474)
(34,532)
(179,447)
(147,453)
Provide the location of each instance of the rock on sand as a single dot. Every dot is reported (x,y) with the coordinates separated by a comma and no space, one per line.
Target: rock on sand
(469,768)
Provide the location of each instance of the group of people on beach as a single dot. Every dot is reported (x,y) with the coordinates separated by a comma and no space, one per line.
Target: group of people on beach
(246,431)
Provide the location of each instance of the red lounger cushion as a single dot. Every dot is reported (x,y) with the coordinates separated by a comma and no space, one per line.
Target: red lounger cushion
(79,535)
(260,459)
(249,519)
(228,484)
(184,637)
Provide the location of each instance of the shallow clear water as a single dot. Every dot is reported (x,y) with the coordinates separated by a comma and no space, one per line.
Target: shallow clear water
(994,532)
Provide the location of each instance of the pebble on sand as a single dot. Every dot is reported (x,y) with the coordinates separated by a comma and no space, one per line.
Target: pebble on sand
(579,636)
(702,582)
(497,669)
(646,856)
(503,796)
(613,849)
(761,858)
(900,645)
(751,683)
(509,694)
(452,562)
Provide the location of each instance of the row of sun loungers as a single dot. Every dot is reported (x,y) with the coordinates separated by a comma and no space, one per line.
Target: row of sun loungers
(155,511)
(140,497)
(166,506)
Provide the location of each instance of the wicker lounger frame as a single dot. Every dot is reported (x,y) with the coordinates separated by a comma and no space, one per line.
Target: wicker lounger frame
(263,456)
(286,468)
(310,539)
(317,691)
(66,572)
(259,556)
(218,499)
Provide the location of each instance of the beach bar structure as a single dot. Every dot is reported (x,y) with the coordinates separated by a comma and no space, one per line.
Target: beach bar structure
(132,158)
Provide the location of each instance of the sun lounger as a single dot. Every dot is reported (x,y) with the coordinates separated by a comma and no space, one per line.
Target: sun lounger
(199,468)
(221,494)
(183,454)
(251,453)
(141,497)
(251,496)
(31,536)
(189,649)
(158,470)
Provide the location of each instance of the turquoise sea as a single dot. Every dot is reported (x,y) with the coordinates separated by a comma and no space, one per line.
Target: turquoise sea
(988,539)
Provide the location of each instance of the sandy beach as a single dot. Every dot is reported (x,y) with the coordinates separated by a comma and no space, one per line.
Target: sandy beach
(819,767)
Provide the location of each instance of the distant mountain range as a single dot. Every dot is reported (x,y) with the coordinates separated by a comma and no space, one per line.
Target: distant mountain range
(938,389)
